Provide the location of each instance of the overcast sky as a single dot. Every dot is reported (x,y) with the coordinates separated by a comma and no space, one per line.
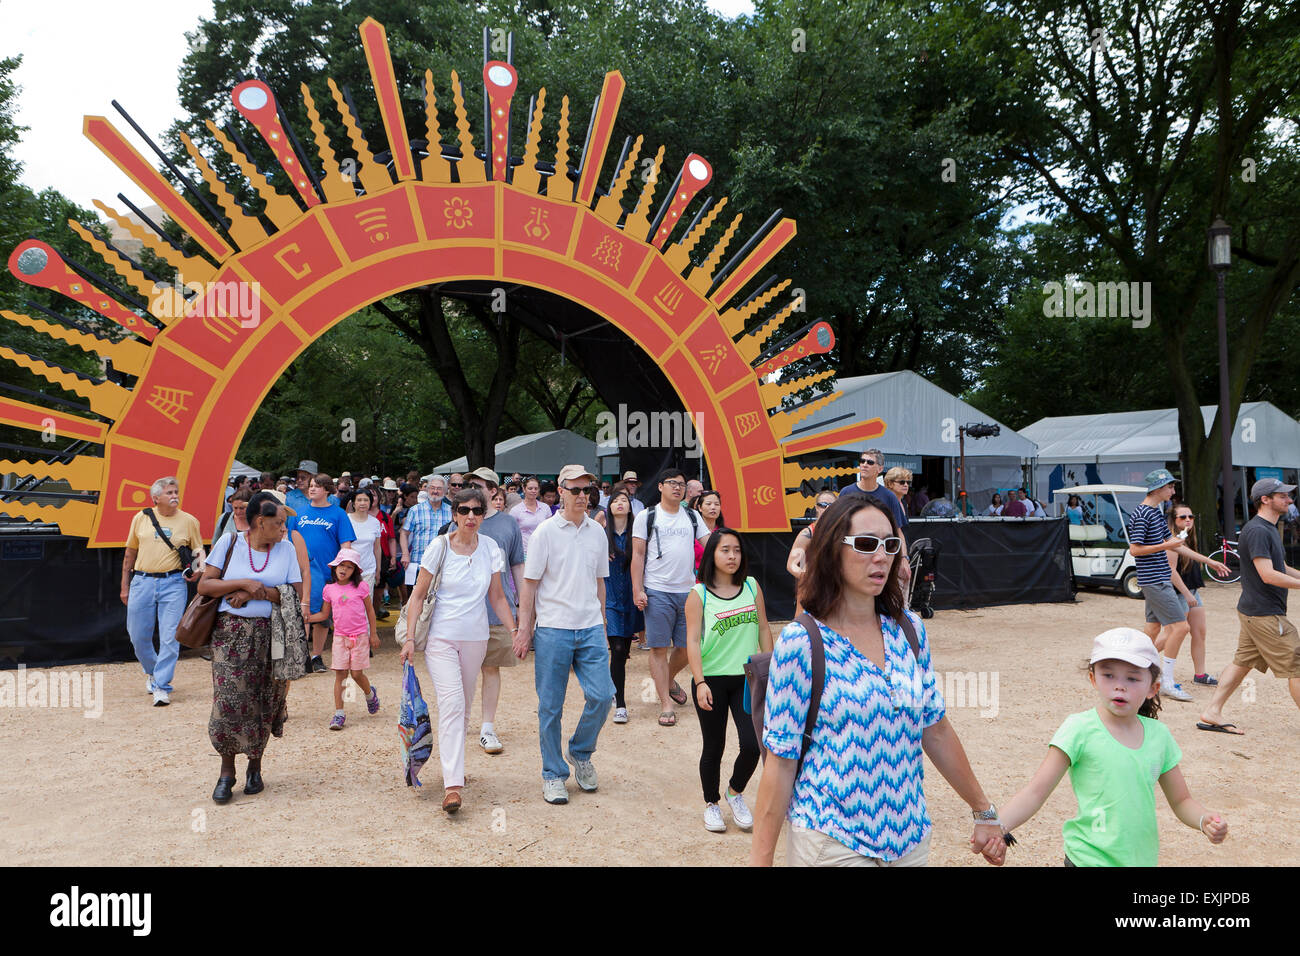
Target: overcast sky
(78,55)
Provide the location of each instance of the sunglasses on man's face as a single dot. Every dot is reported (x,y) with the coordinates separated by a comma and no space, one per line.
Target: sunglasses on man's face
(584,490)
(868,461)
(456,484)
(467,510)
(823,504)
(870,543)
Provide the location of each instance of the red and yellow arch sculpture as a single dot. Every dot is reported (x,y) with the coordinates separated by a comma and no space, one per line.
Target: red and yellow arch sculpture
(204,367)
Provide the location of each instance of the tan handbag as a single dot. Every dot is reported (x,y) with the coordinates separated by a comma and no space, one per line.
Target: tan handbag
(421,633)
(200,617)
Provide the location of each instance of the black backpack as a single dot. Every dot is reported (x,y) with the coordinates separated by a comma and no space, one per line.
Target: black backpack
(650,528)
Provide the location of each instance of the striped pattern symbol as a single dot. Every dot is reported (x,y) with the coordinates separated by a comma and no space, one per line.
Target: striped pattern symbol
(862,781)
(1147,525)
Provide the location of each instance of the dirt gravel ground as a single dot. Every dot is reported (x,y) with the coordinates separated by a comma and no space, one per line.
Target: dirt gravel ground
(133,785)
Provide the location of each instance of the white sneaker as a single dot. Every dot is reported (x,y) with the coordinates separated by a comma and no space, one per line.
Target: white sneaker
(740,811)
(149,687)
(620,715)
(713,821)
(1175,691)
(489,742)
(554,791)
(161,698)
(585,773)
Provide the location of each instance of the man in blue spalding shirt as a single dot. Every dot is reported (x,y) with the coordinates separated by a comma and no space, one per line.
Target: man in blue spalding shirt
(326,530)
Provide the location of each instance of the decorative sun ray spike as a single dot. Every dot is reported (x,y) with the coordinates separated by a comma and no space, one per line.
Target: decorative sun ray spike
(526,175)
(701,277)
(121,265)
(764,251)
(783,422)
(38,418)
(82,473)
(73,517)
(772,394)
(796,503)
(598,136)
(127,356)
(434,168)
(111,142)
(638,220)
(373,177)
(610,208)
(40,265)
(819,340)
(679,253)
(751,343)
(499,83)
(695,174)
(564,189)
(468,168)
(793,474)
(192,267)
(105,398)
(256,103)
(337,188)
(734,320)
(374,39)
(281,210)
(853,434)
(244,229)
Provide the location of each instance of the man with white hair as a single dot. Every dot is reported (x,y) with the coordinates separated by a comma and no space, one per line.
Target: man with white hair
(153,583)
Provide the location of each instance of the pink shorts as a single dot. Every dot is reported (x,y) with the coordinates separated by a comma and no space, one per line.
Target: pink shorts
(350,653)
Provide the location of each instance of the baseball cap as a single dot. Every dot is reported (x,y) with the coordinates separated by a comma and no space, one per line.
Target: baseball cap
(1124,644)
(347,554)
(1268,486)
(569,472)
(630,476)
(365,483)
(390,485)
(487,474)
(1158,479)
(308,465)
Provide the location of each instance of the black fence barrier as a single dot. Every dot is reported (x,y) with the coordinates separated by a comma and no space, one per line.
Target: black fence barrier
(987,561)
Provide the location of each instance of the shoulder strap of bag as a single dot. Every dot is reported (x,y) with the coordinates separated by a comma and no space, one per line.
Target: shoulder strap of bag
(818,682)
(437,575)
(234,538)
(159,528)
(909,632)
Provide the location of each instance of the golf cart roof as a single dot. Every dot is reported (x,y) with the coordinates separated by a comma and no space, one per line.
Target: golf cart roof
(1098,489)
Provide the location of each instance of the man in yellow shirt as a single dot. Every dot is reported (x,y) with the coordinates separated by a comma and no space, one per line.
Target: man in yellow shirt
(153,584)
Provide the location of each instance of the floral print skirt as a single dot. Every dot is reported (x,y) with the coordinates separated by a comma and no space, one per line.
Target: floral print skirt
(248,704)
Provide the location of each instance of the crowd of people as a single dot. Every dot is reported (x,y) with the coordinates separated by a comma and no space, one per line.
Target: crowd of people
(579,571)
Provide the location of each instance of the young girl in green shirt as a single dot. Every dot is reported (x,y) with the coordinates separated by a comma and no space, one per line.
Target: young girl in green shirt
(1114,754)
(726,622)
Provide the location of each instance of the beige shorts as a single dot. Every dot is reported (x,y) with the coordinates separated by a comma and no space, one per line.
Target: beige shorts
(500,648)
(1266,643)
(813,848)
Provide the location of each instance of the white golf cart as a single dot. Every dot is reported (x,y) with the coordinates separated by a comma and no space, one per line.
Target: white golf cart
(1099,546)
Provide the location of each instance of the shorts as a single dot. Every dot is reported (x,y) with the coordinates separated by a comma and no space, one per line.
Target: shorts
(1196,596)
(665,619)
(500,648)
(350,653)
(805,847)
(1163,604)
(1268,642)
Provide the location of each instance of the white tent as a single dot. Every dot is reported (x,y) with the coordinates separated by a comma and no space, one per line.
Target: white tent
(239,469)
(541,453)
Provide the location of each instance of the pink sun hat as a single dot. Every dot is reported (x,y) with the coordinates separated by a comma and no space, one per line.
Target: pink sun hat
(347,554)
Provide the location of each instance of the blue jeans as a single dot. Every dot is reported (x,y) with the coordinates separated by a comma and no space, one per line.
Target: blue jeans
(160,600)
(586,652)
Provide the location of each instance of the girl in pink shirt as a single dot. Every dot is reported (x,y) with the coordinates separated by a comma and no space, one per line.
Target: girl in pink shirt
(347,598)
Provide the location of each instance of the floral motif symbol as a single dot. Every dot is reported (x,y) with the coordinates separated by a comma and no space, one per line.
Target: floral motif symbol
(459,213)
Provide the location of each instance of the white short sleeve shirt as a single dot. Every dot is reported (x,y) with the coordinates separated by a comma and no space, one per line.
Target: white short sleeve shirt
(670,553)
(460,613)
(566,560)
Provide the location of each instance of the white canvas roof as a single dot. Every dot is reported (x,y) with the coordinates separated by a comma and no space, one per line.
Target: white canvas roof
(240,469)
(918,417)
(1265,436)
(541,453)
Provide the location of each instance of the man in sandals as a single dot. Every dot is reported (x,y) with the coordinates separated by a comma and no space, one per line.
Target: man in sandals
(1267,639)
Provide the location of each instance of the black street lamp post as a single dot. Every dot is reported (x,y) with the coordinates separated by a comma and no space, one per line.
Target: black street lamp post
(1220,260)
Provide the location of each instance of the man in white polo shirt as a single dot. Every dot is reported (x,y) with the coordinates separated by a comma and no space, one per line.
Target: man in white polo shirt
(563,594)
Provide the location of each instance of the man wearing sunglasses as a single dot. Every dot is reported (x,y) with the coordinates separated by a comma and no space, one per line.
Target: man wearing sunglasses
(871,464)
(564,597)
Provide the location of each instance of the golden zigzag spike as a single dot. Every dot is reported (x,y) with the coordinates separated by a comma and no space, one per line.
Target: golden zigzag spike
(735,320)
(783,422)
(244,229)
(434,168)
(794,475)
(123,267)
(565,188)
(772,394)
(194,268)
(128,356)
(678,254)
(637,223)
(470,167)
(82,473)
(796,503)
(281,210)
(336,187)
(105,398)
(751,344)
(74,518)
(701,276)
(526,175)
(610,208)
(373,176)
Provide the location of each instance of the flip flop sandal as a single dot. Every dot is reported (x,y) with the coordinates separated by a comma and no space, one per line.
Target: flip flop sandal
(667,719)
(677,695)
(1220,728)
(451,802)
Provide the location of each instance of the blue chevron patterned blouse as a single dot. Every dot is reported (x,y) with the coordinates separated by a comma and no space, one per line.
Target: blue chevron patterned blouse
(861,782)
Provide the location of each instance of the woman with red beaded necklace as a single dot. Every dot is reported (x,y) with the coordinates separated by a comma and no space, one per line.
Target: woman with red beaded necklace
(248,704)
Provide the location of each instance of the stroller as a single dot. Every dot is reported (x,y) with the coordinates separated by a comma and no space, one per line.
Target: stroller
(923,555)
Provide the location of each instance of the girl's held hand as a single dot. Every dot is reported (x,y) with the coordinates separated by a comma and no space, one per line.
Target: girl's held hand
(408,650)
(374,639)
(1214,827)
(704,696)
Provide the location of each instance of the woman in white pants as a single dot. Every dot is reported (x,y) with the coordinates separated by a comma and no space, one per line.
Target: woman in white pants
(458,632)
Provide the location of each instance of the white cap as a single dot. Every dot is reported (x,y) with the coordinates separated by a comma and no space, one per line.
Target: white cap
(1124,644)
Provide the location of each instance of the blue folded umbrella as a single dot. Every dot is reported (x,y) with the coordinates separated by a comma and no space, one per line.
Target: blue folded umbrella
(414,728)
